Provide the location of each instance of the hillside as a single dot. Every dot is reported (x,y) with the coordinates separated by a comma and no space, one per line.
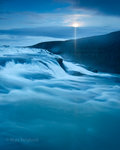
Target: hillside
(98,52)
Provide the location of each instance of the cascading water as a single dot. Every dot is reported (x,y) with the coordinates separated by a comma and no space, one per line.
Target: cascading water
(49,103)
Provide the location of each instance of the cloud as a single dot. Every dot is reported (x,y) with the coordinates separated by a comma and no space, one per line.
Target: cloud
(107,7)
(58,32)
(2,18)
(32,19)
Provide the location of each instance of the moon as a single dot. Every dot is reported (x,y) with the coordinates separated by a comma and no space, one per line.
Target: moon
(75,25)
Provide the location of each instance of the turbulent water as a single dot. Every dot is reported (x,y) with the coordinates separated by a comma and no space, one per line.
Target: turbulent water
(48,104)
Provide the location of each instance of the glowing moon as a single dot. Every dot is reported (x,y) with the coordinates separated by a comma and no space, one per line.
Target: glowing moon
(75,25)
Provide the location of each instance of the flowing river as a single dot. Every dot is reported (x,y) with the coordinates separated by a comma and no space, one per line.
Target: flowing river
(47,103)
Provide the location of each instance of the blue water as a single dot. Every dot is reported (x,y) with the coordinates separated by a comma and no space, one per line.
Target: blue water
(46,107)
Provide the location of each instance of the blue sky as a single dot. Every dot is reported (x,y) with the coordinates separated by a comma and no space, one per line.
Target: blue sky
(54,18)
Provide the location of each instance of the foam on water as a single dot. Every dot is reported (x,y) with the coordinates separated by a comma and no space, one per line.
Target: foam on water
(46,105)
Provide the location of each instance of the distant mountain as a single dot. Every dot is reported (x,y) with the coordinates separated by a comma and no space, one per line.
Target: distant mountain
(99,52)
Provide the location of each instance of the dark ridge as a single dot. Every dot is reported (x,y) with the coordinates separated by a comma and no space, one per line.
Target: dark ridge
(52,46)
(101,53)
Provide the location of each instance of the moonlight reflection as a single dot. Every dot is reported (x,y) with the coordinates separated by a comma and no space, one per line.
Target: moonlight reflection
(75,25)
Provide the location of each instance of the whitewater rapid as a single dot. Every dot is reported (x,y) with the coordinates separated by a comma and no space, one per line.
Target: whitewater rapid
(55,103)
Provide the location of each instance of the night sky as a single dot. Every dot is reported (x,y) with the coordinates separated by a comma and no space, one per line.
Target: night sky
(54,18)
